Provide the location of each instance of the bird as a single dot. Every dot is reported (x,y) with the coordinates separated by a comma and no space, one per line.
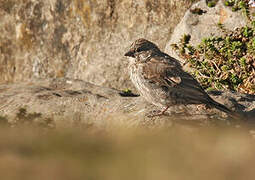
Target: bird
(161,80)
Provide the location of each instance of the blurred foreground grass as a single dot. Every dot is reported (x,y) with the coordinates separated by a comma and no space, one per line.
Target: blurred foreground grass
(175,153)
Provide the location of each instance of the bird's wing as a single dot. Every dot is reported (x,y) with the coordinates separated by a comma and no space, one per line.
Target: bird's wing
(162,72)
(170,75)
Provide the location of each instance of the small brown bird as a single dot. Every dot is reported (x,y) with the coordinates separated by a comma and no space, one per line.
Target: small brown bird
(161,80)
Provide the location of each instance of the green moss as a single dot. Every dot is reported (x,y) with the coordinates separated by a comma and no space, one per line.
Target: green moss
(211,3)
(220,25)
(229,2)
(186,38)
(128,93)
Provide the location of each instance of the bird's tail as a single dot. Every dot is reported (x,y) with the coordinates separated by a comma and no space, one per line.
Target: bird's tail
(223,108)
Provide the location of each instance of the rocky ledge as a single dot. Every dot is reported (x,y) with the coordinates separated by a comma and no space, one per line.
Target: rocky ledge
(58,102)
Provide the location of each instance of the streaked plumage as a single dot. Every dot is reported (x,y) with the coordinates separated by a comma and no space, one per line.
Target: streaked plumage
(161,80)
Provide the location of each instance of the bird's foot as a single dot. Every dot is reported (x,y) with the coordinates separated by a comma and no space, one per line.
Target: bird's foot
(155,113)
(203,107)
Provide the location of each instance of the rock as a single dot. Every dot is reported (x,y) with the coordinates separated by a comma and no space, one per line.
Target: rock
(50,44)
(79,39)
(60,102)
(205,25)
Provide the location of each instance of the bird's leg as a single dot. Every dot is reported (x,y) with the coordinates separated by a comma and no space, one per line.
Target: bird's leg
(203,106)
(160,113)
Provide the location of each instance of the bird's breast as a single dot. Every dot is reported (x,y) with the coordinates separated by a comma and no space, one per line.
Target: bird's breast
(146,89)
(136,76)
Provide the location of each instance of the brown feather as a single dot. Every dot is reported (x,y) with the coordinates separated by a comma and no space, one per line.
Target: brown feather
(161,80)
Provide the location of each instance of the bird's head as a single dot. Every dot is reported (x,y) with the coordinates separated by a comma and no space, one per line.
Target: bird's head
(139,46)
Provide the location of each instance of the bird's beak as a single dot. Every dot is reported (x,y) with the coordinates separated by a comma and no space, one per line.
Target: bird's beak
(130,54)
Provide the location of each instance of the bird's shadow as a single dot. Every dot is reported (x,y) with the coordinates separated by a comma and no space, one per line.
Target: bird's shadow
(240,108)
(250,115)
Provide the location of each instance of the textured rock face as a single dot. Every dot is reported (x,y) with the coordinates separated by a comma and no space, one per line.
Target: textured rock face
(205,25)
(59,101)
(86,40)
(77,38)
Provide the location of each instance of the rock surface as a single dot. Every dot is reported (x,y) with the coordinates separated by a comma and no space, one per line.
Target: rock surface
(55,102)
(79,39)
(49,44)
(205,25)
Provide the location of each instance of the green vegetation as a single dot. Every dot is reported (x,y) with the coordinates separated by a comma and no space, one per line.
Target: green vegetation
(128,93)
(211,3)
(239,5)
(225,62)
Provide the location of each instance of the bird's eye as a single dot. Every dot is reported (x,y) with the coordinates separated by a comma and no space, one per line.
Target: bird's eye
(139,49)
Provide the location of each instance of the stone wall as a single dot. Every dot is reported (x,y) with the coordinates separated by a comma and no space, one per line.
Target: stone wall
(81,39)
